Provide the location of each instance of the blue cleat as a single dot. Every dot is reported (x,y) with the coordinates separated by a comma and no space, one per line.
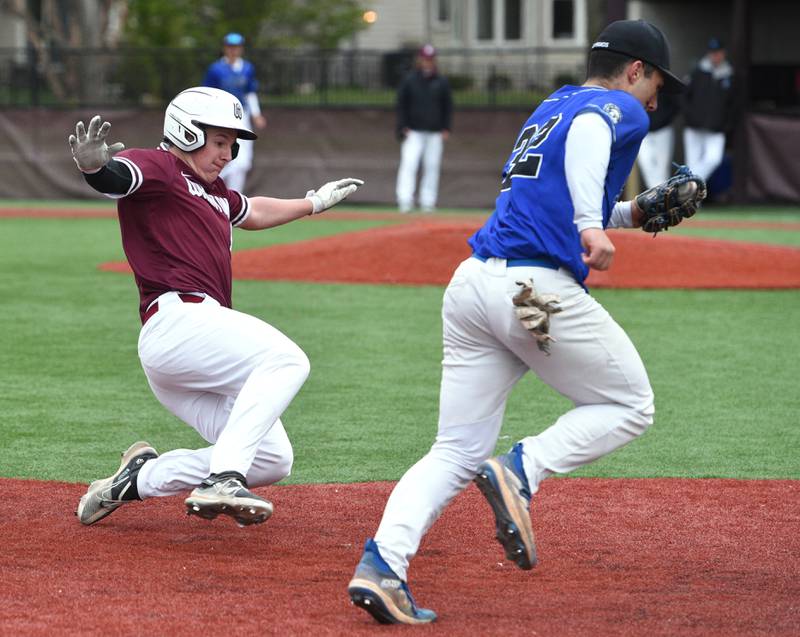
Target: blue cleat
(378,590)
(503,483)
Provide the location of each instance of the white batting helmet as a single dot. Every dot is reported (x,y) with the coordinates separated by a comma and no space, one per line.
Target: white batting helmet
(195,108)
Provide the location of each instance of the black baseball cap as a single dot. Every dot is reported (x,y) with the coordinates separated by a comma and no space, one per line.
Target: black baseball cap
(642,41)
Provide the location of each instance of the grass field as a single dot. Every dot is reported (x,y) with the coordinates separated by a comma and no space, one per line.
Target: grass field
(723,364)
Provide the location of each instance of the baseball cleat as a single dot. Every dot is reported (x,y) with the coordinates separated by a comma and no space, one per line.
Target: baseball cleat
(108,494)
(227,494)
(378,590)
(503,483)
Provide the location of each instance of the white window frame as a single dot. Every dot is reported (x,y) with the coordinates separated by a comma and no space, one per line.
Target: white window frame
(441,25)
(578,38)
(497,39)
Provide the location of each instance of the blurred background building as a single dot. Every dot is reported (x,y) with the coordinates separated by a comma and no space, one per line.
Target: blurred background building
(328,80)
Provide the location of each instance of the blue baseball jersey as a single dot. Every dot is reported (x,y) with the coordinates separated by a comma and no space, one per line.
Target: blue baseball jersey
(534,213)
(238,81)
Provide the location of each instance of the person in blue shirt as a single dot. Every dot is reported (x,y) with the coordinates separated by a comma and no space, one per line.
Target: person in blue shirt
(236,75)
(558,195)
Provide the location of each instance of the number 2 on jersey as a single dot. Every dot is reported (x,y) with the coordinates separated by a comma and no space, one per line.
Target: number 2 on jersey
(524,162)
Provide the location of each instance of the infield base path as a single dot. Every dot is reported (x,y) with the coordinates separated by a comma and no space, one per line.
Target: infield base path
(620,557)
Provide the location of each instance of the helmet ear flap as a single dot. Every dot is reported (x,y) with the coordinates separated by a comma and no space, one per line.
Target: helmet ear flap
(181,131)
(234,150)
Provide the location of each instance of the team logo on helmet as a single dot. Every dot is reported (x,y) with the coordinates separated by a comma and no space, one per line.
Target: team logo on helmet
(237,110)
(613,112)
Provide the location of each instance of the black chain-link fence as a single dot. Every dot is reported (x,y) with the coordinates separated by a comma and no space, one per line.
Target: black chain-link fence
(150,77)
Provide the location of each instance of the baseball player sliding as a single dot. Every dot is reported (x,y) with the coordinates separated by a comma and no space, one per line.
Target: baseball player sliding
(519,304)
(228,375)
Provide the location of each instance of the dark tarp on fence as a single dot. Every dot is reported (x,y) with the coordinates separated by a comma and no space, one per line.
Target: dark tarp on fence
(773,150)
(300,149)
(303,148)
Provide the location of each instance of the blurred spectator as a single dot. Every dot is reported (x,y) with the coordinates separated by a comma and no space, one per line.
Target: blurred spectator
(655,153)
(709,111)
(236,75)
(424,114)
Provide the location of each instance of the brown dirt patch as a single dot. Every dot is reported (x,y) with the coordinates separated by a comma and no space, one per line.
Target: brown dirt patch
(618,557)
(58,212)
(426,252)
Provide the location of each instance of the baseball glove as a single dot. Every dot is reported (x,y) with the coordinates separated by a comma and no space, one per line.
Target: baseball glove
(534,310)
(671,202)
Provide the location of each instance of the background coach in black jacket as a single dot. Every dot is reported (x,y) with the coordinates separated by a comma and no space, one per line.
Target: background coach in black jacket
(424,116)
(709,111)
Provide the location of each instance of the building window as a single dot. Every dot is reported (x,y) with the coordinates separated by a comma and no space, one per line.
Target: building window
(443,10)
(498,21)
(513,19)
(485,19)
(563,19)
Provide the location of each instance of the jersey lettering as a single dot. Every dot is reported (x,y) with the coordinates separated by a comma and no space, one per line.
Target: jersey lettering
(524,162)
(219,203)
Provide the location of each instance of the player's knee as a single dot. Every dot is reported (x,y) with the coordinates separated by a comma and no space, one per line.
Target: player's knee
(291,362)
(300,364)
(642,415)
(274,469)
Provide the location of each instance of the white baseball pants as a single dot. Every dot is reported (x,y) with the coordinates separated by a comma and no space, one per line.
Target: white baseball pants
(655,156)
(704,150)
(486,351)
(235,172)
(229,376)
(425,147)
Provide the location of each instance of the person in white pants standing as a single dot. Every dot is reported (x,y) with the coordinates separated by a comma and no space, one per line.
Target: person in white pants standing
(228,375)
(709,111)
(655,153)
(424,119)
(236,75)
(557,196)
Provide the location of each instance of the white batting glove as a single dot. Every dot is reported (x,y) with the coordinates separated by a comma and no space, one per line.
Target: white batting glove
(89,149)
(332,193)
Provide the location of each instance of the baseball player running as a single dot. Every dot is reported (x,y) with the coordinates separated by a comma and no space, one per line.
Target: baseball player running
(519,303)
(228,375)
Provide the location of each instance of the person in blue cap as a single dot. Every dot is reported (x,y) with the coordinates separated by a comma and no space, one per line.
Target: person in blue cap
(709,110)
(234,74)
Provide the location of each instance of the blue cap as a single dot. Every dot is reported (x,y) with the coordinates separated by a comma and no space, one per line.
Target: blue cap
(233,39)
(715,44)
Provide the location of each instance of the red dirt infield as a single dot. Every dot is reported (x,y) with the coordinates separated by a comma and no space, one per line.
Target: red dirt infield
(617,557)
(423,251)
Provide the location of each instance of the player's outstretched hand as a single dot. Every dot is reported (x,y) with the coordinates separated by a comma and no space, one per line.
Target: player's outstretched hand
(89,149)
(332,193)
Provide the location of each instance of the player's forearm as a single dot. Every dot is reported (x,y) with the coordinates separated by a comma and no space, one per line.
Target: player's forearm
(112,179)
(268,212)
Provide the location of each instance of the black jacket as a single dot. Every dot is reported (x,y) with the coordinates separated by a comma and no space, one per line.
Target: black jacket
(709,100)
(668,106)
(424,103)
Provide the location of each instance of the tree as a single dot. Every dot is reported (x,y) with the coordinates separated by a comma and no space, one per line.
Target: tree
(75,41)
(56,27)
(316,24)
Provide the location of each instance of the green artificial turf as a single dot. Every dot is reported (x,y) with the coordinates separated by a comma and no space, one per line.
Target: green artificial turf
(723,364)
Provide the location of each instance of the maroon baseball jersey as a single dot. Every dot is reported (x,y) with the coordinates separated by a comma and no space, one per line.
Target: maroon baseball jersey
(176,230)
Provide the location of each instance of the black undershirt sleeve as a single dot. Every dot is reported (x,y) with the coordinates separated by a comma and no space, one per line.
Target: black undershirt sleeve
(112,179)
